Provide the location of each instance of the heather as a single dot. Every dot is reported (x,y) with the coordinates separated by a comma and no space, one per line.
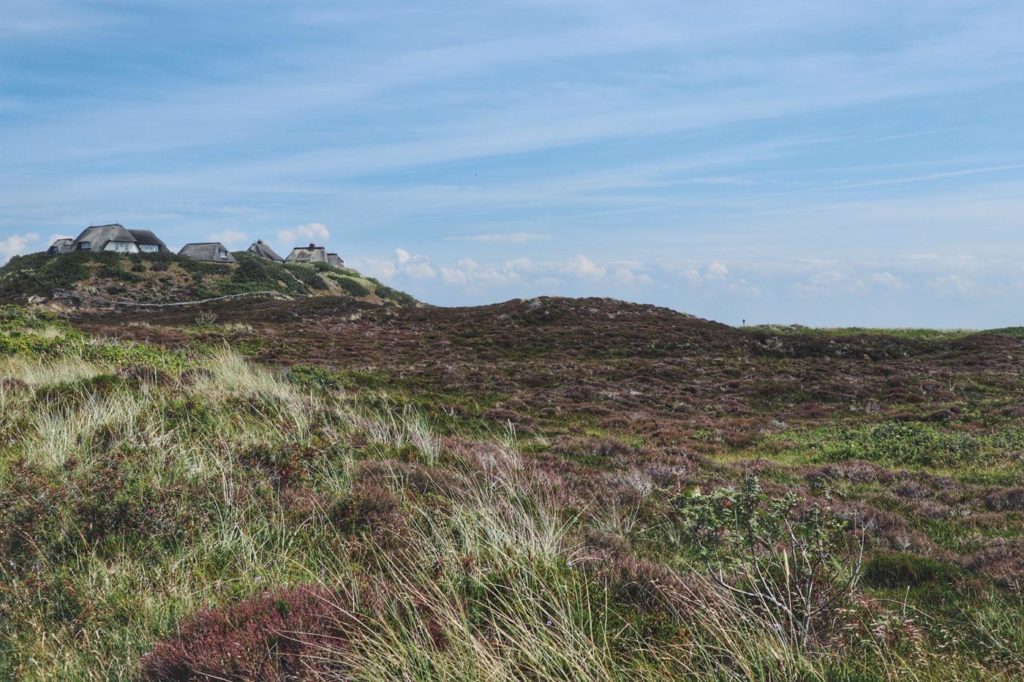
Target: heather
(226,496)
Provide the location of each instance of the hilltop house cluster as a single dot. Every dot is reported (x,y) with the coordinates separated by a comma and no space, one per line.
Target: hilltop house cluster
(118,239)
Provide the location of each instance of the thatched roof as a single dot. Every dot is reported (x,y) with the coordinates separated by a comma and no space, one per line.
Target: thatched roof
(62,245)
(147,238)
(98,237)
(211,252)
(335,260)
(308,254)
(262,249)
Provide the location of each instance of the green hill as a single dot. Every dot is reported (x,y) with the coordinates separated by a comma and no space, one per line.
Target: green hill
(110,279)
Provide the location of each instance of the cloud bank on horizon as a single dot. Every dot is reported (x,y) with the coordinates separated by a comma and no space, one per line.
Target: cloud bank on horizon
(817,162)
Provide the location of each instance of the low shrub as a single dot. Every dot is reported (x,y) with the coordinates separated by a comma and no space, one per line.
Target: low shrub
(899,569)
(273,636)
(786,559)
(308,276)
(389,294)
(369,507)
(906,444)
(71,394)
(15,317)
(64,271)
(315,378)
(351,286)
(1011,499)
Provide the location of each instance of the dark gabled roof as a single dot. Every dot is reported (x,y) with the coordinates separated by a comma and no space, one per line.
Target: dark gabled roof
(206,251)
(262,249)
(147,238)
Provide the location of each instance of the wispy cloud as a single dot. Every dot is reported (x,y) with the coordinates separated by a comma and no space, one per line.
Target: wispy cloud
(34,19)
(628,134)
(315,232)
(504,237)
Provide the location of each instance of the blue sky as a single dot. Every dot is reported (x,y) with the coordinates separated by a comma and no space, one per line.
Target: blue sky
(809,161)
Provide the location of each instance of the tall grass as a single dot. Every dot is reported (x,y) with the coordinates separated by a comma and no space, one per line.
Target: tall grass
(490,590)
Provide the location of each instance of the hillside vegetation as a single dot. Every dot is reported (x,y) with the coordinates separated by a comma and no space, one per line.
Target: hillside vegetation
(98,278)
(543,490)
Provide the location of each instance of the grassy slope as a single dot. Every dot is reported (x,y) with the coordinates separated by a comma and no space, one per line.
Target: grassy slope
(168,278)
(380,535)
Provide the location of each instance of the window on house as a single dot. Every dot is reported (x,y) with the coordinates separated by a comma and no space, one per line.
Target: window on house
(84,246)
(222,254)
(148,248)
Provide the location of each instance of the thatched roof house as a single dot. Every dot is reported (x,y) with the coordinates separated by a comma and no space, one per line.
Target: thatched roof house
(307,254)
(335,260)
(263,250)
(113,238)
(209,252)
(62,245)
(148,242)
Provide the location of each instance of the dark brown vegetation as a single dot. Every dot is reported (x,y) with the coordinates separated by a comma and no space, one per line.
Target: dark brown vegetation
(670,378)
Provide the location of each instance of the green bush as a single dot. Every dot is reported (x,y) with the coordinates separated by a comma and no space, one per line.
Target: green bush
(316,378)
(906,444)
(112,269)
(787,558)
(352,286)
(252,274)
(15,317)
(64,271)
(308,276)
(389,294)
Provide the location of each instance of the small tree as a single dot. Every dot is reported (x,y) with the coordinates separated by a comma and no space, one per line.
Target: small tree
(786,560)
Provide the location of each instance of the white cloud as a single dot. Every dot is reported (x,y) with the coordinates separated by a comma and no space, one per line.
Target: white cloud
(376,267)
(825,283)
(417,267)
(835,282)
(403,265)
(631,273)
(717,270)
(16,245)
(454,276)
(520,265)
(583,267)
(469,274)
(310,232)
(419,270)
(886,280)
(952,285)
(695,276)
